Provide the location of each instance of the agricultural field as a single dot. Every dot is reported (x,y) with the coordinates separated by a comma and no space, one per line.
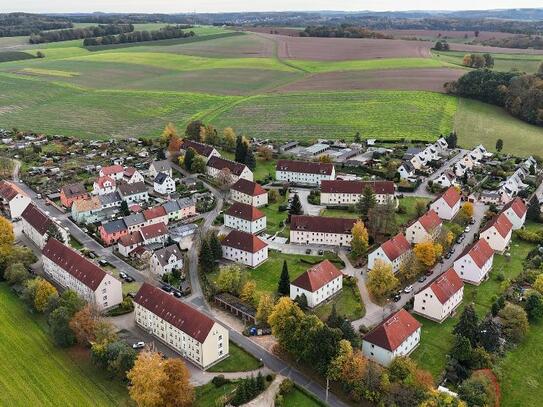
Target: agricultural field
(35,372)
(502,62)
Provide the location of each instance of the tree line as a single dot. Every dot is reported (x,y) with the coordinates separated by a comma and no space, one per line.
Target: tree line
(341,31)
(521,41)
(18,24)
(140,36)
(520,94)
(79,33)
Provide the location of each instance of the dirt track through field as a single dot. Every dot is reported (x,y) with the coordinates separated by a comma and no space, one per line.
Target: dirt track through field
(431,79)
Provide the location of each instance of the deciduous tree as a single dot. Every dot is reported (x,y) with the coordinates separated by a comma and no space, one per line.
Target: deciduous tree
(248,292)
(16,274)
(83,325)
(176,390)
(426,253)
(146,379)
(43,292)
(231,280)
(381,280)
(534,306)
(229,137)
(514,322)
(168,134)
(284,320)
(359,242)
(538,284)
(198,164)
(264,309)
(467,210)
(193,130)
(7,237)
(59,324)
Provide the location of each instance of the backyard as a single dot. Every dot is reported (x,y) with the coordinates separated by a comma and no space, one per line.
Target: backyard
(237,361)
(275,218)
(348,304)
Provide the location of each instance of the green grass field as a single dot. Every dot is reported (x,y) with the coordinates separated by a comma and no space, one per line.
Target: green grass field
(274,218)
(409,203)
(366,64)
(502,62)
(36,373)
(347,304)
(238,361)
(207,395)
(298,398)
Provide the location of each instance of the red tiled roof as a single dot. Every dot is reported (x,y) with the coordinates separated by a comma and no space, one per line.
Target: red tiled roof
(243,241)
(396,246)
(152,231)
(244,211)
(72,262)
(305,167)
(321,224)
(112,169)
(36,218)
(502,224)
(131,239)
(248,187)
(102,180)
(446,285)
(430,220)
(8,191)
(200,148)
(480,252)
(153,213)
(220,164)
(317,276)
(194,323)
(393,331)
(74,190)
(356,187)
(518,206)
(129,171)
(451,196)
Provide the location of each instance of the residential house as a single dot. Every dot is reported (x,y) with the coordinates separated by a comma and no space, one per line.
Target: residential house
(425,228)
(216,165)
(205,150)
(393,252)
(157,167)
(447,179)
(318,284)
(13,201)
(249,193)
(164,184)
(179,209)
(515,210)
(414,157)
(71,193)
(448,204)
(406,171)
(36,225)
(512,185)
(72,271)
(134,222)
(304,172)
(186,330)
(244,248)
(113,171)
(344,193)
(154,215)
(132,175)
(87,210)
(111,200)
(133,193)
(475,262)
(440,298)
(154,233)
(320,230)
(497,232)
(398,335)
(166,259)
(112,231)
(441,145)
(104,185)
(245,217)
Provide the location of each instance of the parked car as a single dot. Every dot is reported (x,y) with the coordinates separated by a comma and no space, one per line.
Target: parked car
(103,262)
(177,294)
(472,221)
(422,279)
(138,345)
(396,298)
(460,239)
(428,273)
(408,289)
(129,279)
(38,196)
(448,255)
(123,275)
(467,229)
(166,288)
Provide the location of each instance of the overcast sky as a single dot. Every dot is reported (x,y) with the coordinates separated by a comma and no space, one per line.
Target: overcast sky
(172,6)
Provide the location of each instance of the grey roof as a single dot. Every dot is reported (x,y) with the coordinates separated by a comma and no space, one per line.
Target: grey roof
(170,206)
(165,253)
(134,219)
(163,165)
(132,189)
(160,178)
(185,202)
(114,226)
(408,166)
(111,198)
(411,151)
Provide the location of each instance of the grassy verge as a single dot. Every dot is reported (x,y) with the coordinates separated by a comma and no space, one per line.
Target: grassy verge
(238,361)
(301,398)
(410,205)
(348,304)
(274,218)
(207,395)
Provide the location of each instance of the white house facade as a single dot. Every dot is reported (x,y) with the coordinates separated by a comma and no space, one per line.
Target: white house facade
(320,230)
(426,228)
(166,259)
(497,233)
(249,193)
(448,204)
(515,210)
(13,201)
(475,262)
(343,193)
(215,165)
(244,248)
(392,252)
(164,184)
(245,218)
(318,284)
(304,172)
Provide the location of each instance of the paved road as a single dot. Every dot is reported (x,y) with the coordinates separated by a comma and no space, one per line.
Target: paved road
(375,314)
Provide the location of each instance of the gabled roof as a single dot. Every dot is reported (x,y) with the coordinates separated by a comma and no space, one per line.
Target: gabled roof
(112,169)
(171,206)
(8,191)
(409,167)
(396,246)
(131,239)
(200,148)
(132,189)
(393,331)
(72,262)
(177,313)
(163,165)
(501,223)
(164,254)
(102,180)
(37,219)
(72,190)
(185,202)
(445,286)
(114,226)
(246,242)
(317,276)
(429,220)
(517,205)
(244,211)
(134,219)
(129,172)
(306,167)
(220,164)
(152,231)
(321,224)
(86,205)
(248,187)
(110,198)
(160,178)
(451,196)
(153,213)
(357,187)
(480,251)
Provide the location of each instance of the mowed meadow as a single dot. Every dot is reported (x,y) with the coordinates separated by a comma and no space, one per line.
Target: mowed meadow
(261,85)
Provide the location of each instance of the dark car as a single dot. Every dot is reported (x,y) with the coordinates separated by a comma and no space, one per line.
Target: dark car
(472,221)
(422,279)
(166,288)
(177,294)
(103,262)
(397,298)
(129,279)
(448,255)
(428,273)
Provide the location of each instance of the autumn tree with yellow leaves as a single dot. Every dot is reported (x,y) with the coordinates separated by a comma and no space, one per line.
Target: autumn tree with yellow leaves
(359,242)
(381,279)
(43,294)
(428,252)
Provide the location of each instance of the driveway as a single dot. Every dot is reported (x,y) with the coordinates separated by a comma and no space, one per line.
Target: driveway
(308,209)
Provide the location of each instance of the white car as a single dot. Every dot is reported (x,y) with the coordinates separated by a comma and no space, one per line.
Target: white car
(138,345)
(467,229)
(122,275)
(408,289)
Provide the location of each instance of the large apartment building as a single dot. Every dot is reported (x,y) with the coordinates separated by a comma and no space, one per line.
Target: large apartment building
(344,193)
(321,230)
(304,172)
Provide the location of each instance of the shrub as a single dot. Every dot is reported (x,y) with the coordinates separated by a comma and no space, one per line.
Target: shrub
(286,387)
(220,380)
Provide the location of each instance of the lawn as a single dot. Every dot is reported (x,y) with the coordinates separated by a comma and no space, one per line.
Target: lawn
(274,218)
(264,169)
(238,361)
(299,398)
(312,115)
(436,339)
(207,394)
(409,203)
(480,123)
(339,213)
(35,372)
(347,304)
